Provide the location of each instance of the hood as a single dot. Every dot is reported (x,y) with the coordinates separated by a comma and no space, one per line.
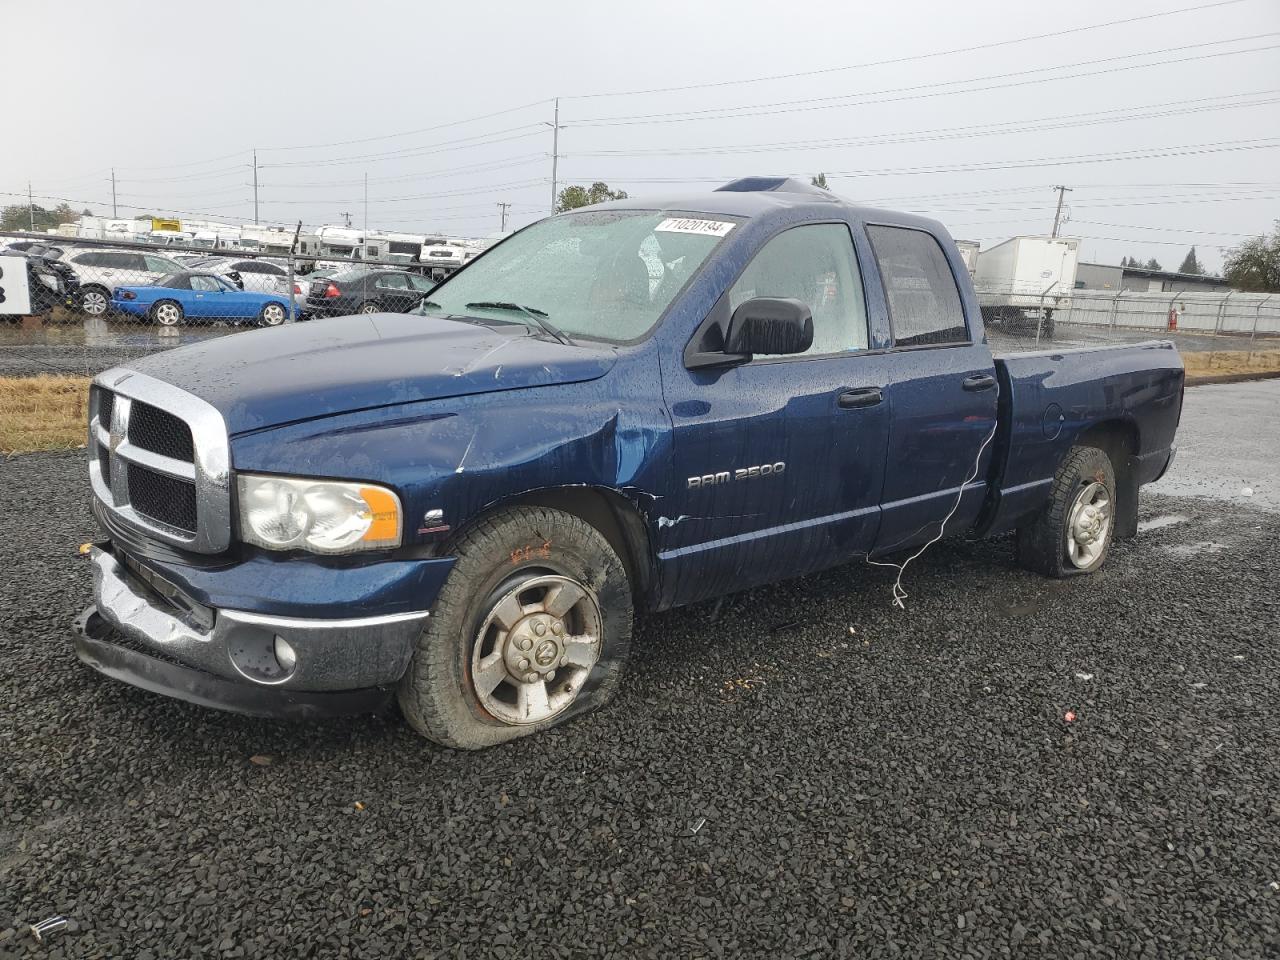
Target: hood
(302,371)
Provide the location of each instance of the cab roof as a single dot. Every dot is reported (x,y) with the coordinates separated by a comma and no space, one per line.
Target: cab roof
(751,197)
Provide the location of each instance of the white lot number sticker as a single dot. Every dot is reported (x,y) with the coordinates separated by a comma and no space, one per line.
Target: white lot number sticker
(708,228)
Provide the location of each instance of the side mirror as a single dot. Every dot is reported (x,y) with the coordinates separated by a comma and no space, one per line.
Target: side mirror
(770,326)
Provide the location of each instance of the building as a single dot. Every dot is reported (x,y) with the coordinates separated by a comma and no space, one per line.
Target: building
(1101,276)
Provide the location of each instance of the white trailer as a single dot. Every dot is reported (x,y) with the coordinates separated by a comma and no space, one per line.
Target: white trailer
(1025,279)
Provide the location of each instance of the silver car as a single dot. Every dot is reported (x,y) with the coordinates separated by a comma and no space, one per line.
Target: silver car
(100,270)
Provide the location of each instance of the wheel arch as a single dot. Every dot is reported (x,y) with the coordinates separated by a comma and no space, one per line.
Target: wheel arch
(1120,440)
(613,514)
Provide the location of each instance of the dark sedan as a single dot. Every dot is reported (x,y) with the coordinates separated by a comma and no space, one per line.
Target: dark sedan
(366,291)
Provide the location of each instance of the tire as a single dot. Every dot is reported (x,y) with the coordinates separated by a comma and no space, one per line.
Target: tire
(488,623)
(167,313)
(95,301)
(370,306)
(1081,507)
(272,315)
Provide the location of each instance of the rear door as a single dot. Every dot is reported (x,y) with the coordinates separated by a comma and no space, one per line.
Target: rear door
(392,292)
(942,392)
(778,462)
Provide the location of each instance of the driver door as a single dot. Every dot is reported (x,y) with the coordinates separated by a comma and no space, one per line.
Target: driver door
(778,463)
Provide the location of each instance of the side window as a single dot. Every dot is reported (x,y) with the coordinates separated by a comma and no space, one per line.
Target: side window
(205,283)
(393,281)
(120,261)
(89,260)
(924,304)
(421,284)
(814,264)
(161,265)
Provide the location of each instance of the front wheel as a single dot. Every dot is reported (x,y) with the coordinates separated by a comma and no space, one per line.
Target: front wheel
(531,629)
(167,313)
(1072,533)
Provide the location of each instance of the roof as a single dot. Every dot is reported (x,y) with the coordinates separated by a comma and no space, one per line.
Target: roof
(754,196)
(1162,274)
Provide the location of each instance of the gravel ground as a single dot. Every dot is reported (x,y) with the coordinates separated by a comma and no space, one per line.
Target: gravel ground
(812,774)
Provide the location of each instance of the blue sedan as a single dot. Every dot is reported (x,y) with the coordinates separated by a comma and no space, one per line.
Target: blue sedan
(195,296)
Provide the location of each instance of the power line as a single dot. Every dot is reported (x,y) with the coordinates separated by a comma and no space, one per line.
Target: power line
(909,59)
(444,147)
(1089,118)
(414,133)
(1220,146)
(808,104)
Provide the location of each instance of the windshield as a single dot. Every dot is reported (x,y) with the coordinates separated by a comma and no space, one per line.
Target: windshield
(605,275)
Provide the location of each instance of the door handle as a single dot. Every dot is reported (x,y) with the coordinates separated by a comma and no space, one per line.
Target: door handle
(981,381)
(866,397)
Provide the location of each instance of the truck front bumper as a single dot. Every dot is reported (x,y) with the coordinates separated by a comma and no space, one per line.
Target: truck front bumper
(147,634)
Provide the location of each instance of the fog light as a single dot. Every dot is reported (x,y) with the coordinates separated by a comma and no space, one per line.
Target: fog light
(285,655)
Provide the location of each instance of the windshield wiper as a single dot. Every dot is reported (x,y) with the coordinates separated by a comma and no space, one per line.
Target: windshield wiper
(540,317)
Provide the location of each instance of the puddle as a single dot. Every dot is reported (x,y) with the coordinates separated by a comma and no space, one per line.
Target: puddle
(1192,549)
(1155,523)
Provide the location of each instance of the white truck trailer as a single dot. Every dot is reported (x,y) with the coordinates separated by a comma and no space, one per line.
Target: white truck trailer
(1022,281)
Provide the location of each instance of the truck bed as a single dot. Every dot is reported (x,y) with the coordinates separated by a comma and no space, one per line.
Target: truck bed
(1127,398)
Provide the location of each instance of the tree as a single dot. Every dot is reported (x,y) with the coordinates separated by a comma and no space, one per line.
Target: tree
(1190,264)
(19,216)
(1254,266)
(820,181)
(575,196)
(1153,264)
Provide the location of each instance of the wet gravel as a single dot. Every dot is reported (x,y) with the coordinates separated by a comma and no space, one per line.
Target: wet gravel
(812,774)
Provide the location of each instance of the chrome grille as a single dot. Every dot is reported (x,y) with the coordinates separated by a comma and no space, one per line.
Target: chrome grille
(159,460)
(164,499)
(160,432)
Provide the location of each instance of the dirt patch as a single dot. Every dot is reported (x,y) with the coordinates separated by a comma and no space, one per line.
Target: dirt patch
(1220,363)
(43,413)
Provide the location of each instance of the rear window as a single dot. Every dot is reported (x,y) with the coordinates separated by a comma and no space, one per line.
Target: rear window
(350,276)
(924,303)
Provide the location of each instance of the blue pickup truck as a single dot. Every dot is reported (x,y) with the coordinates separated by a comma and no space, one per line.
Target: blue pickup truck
(632,406)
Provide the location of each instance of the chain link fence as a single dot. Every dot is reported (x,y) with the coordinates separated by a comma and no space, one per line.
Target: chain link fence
(97,303)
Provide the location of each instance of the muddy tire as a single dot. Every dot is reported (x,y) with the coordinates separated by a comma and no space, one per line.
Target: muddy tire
(532,628)
(1071,535)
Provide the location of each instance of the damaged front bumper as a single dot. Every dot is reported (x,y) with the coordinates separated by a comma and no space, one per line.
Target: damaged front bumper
(145,632)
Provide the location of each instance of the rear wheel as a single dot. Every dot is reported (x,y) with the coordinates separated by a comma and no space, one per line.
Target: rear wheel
(531,628)
(167,313)
(1072,533)
(272,315)
(369,306)
(95,301)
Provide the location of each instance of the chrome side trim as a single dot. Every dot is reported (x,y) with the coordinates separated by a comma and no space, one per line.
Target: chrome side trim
(211,471)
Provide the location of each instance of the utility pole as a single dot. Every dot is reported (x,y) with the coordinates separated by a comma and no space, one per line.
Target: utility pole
(255,184)
(504,207)
(31,208)
(555,154)
(114,215)
(1057,217)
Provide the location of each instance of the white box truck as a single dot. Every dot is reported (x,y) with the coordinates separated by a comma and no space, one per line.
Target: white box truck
(1022,281)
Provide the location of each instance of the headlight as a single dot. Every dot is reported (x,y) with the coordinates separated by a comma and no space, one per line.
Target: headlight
(323,516)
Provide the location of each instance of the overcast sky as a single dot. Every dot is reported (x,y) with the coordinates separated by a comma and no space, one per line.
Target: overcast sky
(176,96)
